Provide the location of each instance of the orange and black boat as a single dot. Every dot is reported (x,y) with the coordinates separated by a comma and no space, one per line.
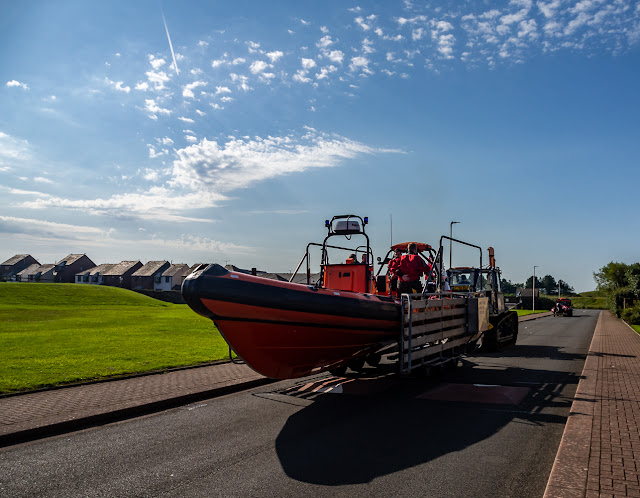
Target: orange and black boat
(287,330)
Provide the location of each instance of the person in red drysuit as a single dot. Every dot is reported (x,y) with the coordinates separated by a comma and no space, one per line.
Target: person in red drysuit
(394,266)
(411,268)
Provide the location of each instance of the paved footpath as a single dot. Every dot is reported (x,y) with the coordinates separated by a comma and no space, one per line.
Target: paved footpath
(600,450)
(35,415)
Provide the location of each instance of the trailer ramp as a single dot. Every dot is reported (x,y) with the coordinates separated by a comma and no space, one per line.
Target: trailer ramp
(438,329)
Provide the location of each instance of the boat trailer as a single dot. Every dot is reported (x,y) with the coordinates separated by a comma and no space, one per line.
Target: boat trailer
(437,331)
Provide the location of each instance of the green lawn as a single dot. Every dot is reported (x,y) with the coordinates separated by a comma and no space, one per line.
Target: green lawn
(636,328)
(529,312)
(53,334)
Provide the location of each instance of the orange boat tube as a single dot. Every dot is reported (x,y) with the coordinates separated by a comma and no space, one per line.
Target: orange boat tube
(285,330)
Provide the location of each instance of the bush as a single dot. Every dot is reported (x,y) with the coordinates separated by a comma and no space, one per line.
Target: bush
(615,301)
(632,315)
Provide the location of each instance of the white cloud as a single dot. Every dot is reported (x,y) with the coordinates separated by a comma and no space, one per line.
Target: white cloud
(39,229)
(222,89)
(361,22)
(11,83)
(156,63)
(186,120)
(42,179)
(153,109)
(203,43)
(158,203)
(302,76)
(13,149)
(239,163)
(336,56)
(241,80)
(324,42)
(158,79)
(143,86)
(325,72)
(417,34)
(308,63)
(118,85)
(274,56)
(360,64)
(187,90)
(194,243)
(258,66)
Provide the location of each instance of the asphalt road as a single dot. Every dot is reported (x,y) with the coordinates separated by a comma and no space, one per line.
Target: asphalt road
(490,427)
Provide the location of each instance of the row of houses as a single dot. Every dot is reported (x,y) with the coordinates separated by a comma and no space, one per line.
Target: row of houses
(80,269)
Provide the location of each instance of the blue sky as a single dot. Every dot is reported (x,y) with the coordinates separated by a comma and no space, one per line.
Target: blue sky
(230,133)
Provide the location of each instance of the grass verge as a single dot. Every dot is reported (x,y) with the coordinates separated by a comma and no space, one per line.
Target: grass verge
(529,312)
(54,334)
(636,328)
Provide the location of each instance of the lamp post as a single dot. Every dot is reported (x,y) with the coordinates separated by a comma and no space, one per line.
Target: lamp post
(450,237)
(533,294)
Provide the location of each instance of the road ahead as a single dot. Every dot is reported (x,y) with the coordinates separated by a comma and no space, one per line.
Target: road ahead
(488,428)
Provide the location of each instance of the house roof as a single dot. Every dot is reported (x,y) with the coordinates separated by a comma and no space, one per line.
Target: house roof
(527,292)
(29,270)
(175,269)
(120,268)
(70,259)
(15,259)
(35,269)
(149,269)
(97,269)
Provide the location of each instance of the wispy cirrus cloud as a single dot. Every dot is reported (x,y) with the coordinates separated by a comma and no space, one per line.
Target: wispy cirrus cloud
(157,203)
(241,162)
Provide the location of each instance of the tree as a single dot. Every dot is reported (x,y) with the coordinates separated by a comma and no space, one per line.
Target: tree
(611,276)
(508,287)
(565,288)
(528,284)
(549,283)
(621,282)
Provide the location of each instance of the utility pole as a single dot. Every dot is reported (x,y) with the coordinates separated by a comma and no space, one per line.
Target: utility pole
(450,237)
(533,295)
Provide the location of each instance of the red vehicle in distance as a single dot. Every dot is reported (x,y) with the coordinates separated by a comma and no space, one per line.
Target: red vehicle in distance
(563,307)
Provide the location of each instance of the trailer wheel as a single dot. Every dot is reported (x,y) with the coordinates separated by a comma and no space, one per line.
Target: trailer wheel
(374,359)
(338,371)
(357,365)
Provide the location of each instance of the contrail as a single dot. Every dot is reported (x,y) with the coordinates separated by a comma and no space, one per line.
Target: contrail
(175,64)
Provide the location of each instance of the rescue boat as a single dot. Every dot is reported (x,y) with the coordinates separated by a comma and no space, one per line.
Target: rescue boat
(288,330)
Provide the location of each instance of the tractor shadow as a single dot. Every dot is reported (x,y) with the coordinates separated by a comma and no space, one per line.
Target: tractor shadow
(392,423)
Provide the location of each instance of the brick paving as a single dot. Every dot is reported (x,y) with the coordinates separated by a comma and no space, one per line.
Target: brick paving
(48,412)
(600,450)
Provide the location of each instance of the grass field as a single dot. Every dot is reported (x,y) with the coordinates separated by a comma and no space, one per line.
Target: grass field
(529,312)
(593,300)
(54,334)
(636,328)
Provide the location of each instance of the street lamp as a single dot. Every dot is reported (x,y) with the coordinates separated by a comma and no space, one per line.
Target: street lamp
(533,295)
(450,237)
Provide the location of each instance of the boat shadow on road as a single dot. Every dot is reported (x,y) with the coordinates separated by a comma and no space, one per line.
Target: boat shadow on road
(396,423)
